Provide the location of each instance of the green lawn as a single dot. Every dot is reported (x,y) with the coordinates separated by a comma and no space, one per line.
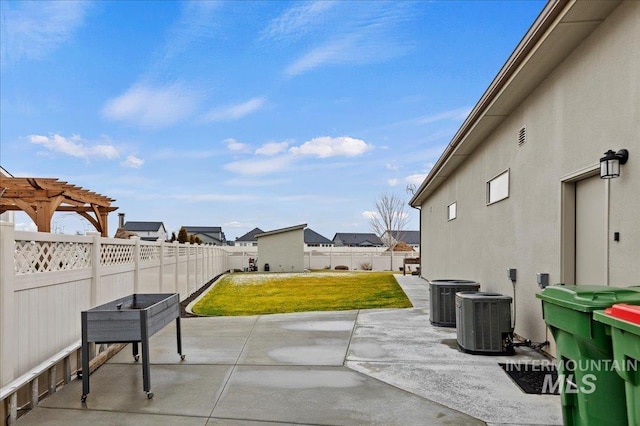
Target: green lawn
(273,293)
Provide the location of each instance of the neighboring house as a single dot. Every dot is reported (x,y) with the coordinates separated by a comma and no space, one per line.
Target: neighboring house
(147,231)
(411,238)
(208,234)
(353,239)
(249,239)
(518,186)
(313,239)
(281,250)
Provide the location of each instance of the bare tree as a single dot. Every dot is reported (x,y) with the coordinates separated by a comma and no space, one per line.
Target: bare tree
(389,219)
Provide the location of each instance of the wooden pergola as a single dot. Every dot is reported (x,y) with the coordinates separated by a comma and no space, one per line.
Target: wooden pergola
(40,198)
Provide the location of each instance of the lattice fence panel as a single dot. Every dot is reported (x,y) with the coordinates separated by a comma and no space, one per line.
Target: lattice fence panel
(169,251)
(112,254)
(149,253)
(32,257)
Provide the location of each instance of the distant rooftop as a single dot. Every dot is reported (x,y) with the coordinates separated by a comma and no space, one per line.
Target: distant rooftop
(312,237)
(251,235)
(357,239)
(143,226)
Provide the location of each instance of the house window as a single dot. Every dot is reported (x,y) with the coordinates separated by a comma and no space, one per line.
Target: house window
(498,188)
(452,211)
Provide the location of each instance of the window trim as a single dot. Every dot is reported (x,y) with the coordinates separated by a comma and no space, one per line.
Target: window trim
(488,187)
(455,211)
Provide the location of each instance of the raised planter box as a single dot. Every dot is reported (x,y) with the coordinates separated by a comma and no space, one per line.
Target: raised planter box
(130,319)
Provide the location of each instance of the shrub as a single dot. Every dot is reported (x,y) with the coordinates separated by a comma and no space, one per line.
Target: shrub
(342,268)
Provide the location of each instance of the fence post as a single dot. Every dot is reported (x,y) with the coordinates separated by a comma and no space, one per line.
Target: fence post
(331,258)
(198,270)
(188,249)
(95,270)
(351,258)
(161,280)
(207,261)
(136,264)
(175,270)
(7,326)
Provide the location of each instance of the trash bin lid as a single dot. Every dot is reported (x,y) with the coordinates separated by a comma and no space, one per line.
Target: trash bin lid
(587,298)
(625,312)
(623,317)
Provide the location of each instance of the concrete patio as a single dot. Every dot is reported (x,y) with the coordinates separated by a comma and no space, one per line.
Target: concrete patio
(388,367)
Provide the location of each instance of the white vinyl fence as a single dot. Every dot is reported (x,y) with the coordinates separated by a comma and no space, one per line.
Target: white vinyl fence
(47,280)
(354,258)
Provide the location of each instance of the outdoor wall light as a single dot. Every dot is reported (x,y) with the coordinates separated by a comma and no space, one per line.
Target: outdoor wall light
(610,163)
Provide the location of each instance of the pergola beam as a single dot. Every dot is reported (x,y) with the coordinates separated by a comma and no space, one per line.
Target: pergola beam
(40,198)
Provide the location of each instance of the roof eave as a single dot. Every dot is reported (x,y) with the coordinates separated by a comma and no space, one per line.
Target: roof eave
(544,46)
(279,231)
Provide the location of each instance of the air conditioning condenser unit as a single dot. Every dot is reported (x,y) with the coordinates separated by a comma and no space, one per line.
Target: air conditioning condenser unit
(442,296)
(483,323)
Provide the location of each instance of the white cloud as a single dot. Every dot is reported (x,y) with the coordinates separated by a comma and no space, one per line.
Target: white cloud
(34,29)
(357,49)
(255,182)
(392,182)
(173,153)
(314,197)
(326,146)
(259,167)
(458,114)
(234,112)
(355,36)
(272,148)
(297,20)
(332,53)
(214,197)
(133,162)
(370,214)
(197,22)
(74,146)
(236,224)
(391,166)
(415,179)
(235,146)
(152,106)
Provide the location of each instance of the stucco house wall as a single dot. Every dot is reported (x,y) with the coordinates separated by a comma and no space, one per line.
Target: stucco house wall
(282,249)
(588,104)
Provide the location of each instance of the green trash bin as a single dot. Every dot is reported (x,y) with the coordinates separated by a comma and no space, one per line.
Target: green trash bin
(590,394)
(624,322)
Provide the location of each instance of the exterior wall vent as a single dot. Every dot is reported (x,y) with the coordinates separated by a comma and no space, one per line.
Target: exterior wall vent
(522,135)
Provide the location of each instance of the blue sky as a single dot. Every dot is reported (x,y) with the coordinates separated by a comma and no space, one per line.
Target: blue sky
(242,114)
